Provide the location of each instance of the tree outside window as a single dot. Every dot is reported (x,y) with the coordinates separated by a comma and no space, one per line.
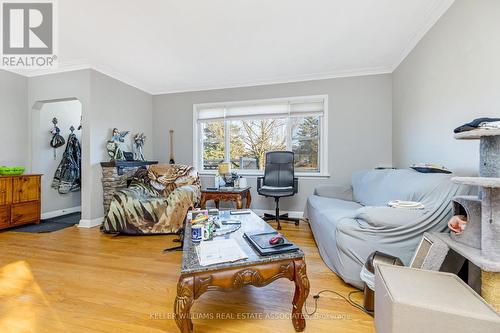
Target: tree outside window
(250,140)
(305,143)
(213,144)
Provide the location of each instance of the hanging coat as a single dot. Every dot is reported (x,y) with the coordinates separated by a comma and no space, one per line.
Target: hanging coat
(68,174)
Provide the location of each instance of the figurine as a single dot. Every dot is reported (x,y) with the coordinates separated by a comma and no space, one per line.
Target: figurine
(119,136)
(114,146)
(139,141)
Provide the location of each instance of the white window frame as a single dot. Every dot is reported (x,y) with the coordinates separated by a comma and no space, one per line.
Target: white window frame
(323,135)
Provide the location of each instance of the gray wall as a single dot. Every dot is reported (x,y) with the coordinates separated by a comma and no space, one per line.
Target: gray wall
(13,119)
(359,129)
(106,103)
(115,104)
(451,77)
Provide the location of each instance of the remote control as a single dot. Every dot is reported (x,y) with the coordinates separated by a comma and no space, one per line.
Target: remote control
(229,222)
(239,212)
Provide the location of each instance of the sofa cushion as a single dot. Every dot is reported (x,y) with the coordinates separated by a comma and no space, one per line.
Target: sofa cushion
(333,209)
(378,187)
(334,191)
(387,217)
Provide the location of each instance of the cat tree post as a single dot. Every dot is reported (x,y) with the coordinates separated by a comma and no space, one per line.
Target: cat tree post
(489,148)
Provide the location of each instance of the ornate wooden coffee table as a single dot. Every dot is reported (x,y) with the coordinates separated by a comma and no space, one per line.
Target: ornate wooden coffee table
(234,194)
(257,270)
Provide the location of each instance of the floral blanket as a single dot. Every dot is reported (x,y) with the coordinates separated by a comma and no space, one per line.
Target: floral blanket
(156,202)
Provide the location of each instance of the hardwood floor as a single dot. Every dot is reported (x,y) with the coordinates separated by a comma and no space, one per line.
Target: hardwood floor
(78,280)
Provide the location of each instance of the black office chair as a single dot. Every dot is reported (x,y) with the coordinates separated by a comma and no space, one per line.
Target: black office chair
(279,181)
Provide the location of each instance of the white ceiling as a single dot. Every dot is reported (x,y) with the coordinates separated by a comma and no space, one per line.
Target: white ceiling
(163,46)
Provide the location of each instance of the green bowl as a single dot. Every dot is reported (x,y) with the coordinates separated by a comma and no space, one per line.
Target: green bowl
(12,171)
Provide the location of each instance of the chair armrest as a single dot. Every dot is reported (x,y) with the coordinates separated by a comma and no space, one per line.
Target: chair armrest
(260,181)
(334,191)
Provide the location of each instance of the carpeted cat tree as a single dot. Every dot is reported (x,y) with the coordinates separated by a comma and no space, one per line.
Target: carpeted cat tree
(480,241)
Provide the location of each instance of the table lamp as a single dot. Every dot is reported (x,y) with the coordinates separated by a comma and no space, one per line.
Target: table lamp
(224,168)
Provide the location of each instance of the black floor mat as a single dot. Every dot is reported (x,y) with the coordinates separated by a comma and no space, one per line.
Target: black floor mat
(50,225)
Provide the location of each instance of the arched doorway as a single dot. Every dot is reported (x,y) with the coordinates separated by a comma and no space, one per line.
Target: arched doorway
(58,198)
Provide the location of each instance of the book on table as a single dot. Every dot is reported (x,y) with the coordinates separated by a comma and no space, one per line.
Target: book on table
(260,242)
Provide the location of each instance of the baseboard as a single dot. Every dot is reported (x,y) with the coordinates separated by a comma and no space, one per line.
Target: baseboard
(294,214)
(60,212)
(90,223)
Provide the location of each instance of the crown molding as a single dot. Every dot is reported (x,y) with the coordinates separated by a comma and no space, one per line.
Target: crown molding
(285,79)
(69,66)
(79,65)
(435,11)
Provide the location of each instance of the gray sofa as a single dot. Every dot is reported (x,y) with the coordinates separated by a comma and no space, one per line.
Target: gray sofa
(351,222)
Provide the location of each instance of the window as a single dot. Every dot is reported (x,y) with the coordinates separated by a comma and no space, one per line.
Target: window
(305,142)
(242,132)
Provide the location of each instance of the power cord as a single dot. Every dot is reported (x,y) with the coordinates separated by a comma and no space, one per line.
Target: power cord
(348,299)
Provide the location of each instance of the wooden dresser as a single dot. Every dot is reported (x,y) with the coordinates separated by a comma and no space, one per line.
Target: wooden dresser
(19,200)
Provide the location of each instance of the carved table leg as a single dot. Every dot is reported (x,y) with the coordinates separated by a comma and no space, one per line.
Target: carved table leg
(239,202)
(248,199)
(183,303)
(203,201)
(300,296)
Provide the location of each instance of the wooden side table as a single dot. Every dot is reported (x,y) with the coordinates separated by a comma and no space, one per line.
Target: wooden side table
(235,194)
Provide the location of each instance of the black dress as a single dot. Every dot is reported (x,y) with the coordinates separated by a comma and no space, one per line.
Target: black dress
(68,174)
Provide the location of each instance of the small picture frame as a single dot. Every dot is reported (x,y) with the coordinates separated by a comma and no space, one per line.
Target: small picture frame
(129,156)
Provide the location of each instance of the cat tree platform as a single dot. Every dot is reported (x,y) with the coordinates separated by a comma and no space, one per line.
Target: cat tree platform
(470,253)
(478,181)
(477,134)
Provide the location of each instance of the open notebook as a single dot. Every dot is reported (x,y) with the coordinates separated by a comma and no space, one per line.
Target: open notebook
(219,251)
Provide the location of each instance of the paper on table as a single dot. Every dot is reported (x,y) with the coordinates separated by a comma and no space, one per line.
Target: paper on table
(219,251)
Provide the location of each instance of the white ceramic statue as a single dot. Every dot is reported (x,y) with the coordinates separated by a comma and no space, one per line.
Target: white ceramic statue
(139,141)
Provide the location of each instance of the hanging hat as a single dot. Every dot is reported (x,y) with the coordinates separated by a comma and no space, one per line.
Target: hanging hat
(57,141)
